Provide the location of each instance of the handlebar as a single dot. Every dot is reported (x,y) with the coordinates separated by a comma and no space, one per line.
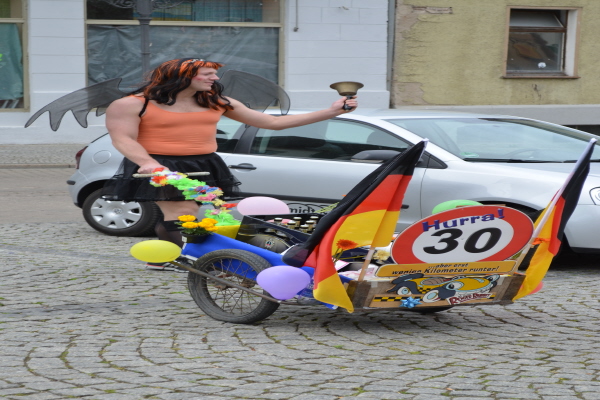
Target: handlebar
(187,173)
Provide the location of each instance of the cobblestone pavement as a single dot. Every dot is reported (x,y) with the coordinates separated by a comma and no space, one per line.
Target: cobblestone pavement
(80,318)
(35,155)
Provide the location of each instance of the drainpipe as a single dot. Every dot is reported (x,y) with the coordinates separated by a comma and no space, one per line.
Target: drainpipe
(144,8)
(390,46)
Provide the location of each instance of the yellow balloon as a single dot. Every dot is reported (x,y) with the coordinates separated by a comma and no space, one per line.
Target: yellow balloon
(155,251)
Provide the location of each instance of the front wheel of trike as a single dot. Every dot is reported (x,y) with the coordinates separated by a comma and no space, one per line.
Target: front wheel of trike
(227,303)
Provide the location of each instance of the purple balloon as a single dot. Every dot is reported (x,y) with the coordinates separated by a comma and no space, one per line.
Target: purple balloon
(283,281)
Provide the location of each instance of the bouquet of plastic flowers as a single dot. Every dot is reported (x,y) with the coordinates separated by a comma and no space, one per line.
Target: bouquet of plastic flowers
(191,226)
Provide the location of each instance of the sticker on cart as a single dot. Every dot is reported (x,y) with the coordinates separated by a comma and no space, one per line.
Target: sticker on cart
(465,234)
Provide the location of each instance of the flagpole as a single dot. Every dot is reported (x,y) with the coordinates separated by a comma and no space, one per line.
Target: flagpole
(366,263)
(548,210)
(369,256)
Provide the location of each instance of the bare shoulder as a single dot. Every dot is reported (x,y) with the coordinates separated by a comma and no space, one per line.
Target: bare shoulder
(126,105)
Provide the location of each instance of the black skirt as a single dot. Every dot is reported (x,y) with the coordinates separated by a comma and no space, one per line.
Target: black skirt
(122,186)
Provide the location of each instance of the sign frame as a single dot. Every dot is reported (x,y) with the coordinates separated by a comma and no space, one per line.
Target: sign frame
(402,248)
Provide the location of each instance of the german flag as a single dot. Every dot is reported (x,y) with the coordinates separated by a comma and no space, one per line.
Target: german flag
(550,225)
(367,216)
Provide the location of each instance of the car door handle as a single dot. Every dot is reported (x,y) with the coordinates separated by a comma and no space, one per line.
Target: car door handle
(242,166)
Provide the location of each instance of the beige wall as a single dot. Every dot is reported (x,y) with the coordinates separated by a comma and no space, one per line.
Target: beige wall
(451,52)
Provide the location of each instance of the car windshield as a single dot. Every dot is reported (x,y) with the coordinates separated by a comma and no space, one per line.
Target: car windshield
(501,139)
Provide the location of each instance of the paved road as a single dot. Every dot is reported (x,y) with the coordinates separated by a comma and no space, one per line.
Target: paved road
(80,318)
(37,195)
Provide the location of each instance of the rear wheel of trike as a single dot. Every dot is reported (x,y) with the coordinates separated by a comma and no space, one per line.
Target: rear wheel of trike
(227,303)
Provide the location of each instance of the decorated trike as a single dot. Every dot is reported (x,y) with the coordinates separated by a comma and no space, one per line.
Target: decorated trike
(224,272)
(464,254)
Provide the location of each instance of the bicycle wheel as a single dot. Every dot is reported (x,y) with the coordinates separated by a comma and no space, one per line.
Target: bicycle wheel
(227,303)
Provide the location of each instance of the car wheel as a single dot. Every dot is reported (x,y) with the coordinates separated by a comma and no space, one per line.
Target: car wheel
(120,218)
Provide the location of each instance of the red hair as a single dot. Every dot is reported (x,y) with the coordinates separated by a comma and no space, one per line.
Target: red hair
(173,76)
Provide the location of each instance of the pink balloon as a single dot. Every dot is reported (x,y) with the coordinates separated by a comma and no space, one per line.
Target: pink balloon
(283,281)
(260,205)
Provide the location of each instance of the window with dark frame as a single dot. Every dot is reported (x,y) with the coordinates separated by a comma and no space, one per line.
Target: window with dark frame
(537,42)
(242,34)
(12,84)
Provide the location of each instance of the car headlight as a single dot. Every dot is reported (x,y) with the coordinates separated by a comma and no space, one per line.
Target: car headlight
(595,193)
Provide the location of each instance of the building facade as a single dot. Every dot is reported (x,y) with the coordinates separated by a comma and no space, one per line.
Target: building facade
(52,47)
(533,58)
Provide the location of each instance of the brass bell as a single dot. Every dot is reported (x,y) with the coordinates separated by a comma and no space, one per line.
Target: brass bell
(347,89)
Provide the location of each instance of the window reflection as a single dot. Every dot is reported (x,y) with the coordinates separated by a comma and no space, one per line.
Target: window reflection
(11,55)
(536,41)
(191,10)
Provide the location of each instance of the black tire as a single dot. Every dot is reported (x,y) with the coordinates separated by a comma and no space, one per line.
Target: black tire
(226,303)
(120,218)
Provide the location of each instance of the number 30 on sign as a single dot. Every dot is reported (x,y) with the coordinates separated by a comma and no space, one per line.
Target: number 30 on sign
(465,234)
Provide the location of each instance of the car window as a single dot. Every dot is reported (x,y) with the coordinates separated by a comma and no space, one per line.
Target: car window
(326,140)
(226,134)
(499,139)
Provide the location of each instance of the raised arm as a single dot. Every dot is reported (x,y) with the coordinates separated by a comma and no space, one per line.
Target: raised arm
(251,117)
(122,122)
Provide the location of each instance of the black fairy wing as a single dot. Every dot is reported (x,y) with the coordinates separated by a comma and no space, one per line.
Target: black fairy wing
(254,91)
(81,102)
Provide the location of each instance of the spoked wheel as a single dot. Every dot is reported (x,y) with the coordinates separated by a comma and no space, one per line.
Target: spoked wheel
(227,303)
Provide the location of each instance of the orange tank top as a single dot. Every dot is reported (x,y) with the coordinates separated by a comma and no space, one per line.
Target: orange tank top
(178,134)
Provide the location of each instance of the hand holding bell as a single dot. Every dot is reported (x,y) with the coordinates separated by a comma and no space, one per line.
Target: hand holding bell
(347,89)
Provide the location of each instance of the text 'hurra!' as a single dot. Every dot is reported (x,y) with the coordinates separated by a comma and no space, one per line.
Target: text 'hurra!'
(462,221)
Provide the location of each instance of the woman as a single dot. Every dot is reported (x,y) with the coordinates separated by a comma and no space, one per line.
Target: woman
(171,122)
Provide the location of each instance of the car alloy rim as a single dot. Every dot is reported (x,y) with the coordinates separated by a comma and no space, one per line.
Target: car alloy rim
(116,214)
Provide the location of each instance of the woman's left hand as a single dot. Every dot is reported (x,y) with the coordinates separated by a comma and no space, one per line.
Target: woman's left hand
(344,101)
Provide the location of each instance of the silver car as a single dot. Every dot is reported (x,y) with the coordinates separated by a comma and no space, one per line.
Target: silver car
(491,159)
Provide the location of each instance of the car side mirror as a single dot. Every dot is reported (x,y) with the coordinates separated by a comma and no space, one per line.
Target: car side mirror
(374,156)
(379,156)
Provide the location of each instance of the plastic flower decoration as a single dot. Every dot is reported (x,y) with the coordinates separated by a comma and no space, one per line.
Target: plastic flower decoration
(381,255)
(199,191)
(343,245)
(410,302)
(191,189)
(191,226)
